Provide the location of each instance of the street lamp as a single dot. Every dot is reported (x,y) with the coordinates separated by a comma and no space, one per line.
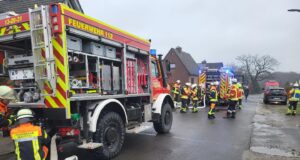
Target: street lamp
(294,10)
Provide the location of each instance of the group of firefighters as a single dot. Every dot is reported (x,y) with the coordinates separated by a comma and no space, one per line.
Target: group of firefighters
(196,94)
(31,140)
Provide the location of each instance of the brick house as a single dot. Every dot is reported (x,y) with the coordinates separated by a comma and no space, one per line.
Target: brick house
(180,65)
(21,6)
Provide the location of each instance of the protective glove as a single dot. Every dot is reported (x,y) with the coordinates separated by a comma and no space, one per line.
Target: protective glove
(12,119)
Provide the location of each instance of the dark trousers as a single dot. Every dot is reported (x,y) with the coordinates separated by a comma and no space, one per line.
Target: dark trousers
(176,98)
(184,103)
(240,102)
(293,105)
(195,103)
(231,107)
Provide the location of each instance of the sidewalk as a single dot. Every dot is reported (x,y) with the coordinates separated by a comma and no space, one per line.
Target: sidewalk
(275,136)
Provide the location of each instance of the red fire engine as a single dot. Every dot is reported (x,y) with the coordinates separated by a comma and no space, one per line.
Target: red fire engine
(85,80)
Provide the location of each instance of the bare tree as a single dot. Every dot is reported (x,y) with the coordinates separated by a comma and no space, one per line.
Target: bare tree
(257,68)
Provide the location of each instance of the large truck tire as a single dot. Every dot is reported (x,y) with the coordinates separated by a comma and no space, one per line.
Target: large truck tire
(165,120)
(111,133)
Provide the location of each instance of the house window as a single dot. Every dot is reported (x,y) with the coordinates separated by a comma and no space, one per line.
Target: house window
(172,66)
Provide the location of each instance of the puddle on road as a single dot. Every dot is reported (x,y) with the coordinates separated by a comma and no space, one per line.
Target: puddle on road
(272,151)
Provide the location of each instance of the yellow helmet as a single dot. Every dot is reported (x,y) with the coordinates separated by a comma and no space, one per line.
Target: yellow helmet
(7,93)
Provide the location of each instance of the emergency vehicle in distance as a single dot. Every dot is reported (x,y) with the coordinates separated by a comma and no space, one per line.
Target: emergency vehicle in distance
(86,81)
(270,83)
(223,76)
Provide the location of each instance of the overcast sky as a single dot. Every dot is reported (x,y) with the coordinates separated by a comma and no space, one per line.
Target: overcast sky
(215,30)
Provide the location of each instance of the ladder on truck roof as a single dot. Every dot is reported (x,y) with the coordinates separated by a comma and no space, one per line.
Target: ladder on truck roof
(41,41)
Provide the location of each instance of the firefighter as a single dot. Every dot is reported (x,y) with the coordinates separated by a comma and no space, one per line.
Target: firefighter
(246,92)
(233,99)
(201,93)
(6,95)
(213,99)
(6,144)
(195,97)
(176,92)
(30,140)
(185,94)
(240,95)
(294,95)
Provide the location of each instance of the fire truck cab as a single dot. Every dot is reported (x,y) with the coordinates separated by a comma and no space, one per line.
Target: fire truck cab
(86,81)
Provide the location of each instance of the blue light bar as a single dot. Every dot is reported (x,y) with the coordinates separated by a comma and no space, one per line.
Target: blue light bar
(153,52)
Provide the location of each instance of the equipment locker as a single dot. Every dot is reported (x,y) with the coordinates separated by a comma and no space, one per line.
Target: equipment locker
(106,77)
(94,48)
(74,43)
(116,78)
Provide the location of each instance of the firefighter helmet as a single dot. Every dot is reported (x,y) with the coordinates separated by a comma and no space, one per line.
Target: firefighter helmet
(188,84)
(24,115)
(233,80)
(296,85)
(7,93)
(178,81)
(194,85)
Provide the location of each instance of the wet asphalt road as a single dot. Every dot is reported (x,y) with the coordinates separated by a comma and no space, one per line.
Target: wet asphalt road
(193,137)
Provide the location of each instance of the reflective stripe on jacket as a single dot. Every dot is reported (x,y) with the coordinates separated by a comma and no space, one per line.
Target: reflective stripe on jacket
(29,141)
(213,94)
(186,92)
(233,93)
(195,94)
(240,93)
(176,88)
(294,95)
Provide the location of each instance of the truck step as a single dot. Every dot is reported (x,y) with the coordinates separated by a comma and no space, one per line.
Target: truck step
(90,145)
(139,129)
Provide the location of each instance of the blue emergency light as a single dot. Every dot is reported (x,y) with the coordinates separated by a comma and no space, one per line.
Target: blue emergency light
(153,52)
(54,9)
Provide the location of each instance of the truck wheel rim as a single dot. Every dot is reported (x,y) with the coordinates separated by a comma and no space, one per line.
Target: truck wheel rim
(111,136)
(167,118)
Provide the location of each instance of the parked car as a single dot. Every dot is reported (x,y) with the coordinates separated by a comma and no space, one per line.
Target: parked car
(275,95)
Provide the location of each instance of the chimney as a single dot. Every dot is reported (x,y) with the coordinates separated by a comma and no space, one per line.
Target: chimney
(179,49)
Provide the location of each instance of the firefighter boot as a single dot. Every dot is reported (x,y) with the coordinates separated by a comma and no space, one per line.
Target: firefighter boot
(240,107)
(289,111)
(213,116)
(183,110)
(227,114)
(195,110)
(233,115)
(294,113)
(209,116)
